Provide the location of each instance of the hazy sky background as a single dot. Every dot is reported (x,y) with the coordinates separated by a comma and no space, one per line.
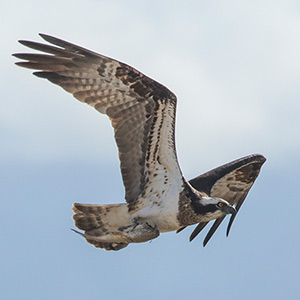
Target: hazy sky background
(235,68)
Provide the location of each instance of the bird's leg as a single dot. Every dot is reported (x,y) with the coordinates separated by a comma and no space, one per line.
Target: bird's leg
(134,223)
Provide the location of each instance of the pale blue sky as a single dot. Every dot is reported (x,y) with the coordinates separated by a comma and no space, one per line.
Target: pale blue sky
(235,68)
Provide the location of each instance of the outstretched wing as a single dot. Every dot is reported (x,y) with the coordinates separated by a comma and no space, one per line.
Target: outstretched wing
(141,110)
(230,182)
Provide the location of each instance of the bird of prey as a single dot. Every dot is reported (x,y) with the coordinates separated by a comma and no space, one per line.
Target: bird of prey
(142,113)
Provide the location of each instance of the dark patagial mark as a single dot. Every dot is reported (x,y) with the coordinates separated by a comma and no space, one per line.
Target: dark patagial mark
(142,85)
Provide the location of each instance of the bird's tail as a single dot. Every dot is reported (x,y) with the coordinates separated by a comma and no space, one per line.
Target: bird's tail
(101,224)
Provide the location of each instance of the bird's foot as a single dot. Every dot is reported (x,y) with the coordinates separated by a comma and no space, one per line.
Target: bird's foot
(140,232)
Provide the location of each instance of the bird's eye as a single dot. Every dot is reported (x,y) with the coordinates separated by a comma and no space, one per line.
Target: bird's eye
(220,204)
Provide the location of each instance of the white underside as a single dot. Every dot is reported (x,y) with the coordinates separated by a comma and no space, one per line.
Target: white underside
(160,211)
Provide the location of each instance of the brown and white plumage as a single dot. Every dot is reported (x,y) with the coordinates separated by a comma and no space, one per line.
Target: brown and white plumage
(130,99)
(142,112)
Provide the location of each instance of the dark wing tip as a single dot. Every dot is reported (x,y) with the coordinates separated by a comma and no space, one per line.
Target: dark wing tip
(206,241)
(212,230)
(197,230)
(180,229)
(41,74)
(25,42)
(64,45)
(259,158)
(46,36)
(57,42)
(24,64)
(18,55)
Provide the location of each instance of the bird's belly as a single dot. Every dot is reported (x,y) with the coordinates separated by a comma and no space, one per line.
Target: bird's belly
(165,223)
(162,214)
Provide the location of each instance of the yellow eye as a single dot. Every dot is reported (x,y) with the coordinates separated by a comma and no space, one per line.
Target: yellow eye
(220,204)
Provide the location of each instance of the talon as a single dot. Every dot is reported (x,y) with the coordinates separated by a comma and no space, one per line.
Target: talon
(139,232)
(151,226)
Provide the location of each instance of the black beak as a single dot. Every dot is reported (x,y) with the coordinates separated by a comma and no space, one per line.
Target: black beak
(230,210)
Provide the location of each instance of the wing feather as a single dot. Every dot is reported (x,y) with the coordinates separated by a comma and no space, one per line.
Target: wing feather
(230,182)
(133,102)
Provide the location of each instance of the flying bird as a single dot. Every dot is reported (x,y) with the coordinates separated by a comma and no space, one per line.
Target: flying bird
(142,113)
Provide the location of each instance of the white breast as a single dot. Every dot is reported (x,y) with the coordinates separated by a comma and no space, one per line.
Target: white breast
(160,209)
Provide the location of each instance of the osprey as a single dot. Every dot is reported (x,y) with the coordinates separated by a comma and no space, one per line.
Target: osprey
(142,113)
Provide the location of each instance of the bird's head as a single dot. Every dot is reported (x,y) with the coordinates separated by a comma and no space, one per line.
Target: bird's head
(212,208)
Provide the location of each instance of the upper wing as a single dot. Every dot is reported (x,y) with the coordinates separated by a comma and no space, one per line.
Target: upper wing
(141,110)
(230,182)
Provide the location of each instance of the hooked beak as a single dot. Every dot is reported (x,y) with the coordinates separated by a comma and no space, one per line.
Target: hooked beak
(230,210)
